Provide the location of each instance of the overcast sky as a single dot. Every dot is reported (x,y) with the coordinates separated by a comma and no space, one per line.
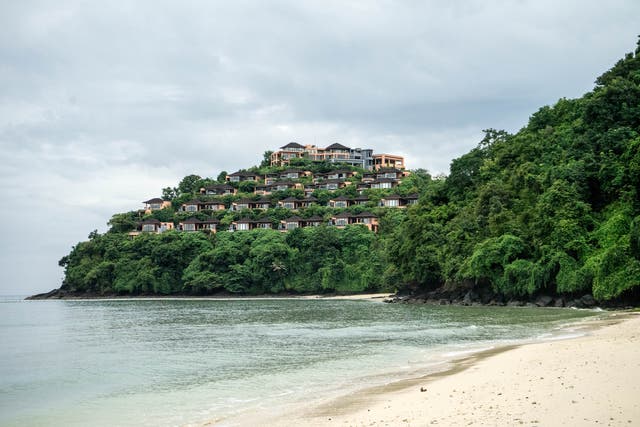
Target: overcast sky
(102,104)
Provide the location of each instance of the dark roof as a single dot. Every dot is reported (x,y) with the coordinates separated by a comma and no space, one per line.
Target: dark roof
(293,218)
(339,171)
(263,221)
(343,215)
(191,221)
(292,171)
(292,145)
(392,197)
(340,198)
(385,180)
(413,196)
(154,200)
(337,146)
(361,199)
(210,221)
(214,202)
(150,221)
(366,215)
(244,220)
(219,187)
(314,218)
(291,199)
(245,200)
(243,173)
(383,170)
(310,199)
(333,181)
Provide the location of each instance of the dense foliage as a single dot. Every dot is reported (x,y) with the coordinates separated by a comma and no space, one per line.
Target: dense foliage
(316,259)
(551,209)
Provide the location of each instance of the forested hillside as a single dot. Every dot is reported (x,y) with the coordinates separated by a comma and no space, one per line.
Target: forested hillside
(552,209)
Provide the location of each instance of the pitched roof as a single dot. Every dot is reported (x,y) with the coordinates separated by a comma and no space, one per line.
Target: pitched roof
(151,221)
(337,146)
(193,202)
(340,198)
(366,215)
(191,221)
(219,187)
(392,197)
(293,219)
(292,145)
(315,218)
(154,200)
(263,221)
(343,215)
(210,221)
(243,173)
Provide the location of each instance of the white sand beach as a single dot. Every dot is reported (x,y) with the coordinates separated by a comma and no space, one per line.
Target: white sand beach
(585,381)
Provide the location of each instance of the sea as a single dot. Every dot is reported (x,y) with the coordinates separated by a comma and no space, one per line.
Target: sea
(177,362)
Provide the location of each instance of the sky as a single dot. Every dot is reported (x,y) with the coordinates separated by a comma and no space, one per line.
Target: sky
(103,104)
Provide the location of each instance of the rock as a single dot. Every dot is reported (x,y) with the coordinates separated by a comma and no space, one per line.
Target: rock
(559,302)
(588,301)
(515,303)
(443,301)
(544,301)
(470,297)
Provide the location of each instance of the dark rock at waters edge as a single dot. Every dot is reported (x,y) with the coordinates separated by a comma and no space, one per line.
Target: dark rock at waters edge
(54,294)
(486,297)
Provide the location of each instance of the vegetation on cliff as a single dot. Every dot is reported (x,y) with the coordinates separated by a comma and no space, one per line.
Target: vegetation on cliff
(552,209)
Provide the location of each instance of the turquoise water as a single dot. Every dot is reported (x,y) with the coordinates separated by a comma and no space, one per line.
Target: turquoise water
(175,362)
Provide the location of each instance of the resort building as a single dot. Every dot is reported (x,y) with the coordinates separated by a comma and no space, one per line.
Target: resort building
(336,153)
(155,204)
(388,161)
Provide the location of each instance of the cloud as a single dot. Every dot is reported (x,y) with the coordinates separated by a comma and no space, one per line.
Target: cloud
(102,105)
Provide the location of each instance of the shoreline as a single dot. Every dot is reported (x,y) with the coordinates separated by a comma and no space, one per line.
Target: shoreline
(592,378)
(368,296)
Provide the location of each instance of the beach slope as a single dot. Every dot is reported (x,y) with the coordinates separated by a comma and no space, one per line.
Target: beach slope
(590,380)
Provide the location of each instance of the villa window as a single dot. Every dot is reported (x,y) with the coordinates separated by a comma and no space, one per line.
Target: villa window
(243,226)
(189,227)
(148,228)
(341,222)
(292,225)
(191,208)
